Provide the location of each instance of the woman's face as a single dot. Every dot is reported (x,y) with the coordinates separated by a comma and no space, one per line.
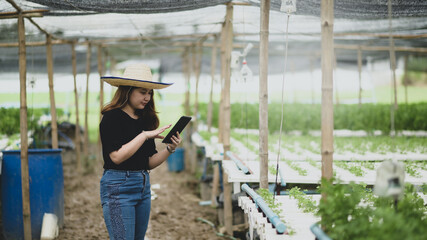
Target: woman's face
(139,98)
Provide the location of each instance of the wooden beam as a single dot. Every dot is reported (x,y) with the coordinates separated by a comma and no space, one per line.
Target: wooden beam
(382,35)
(25,14)
(380,48)
(25,186)
(327,60)
(49,63)
(228,208)
(263,93)
(101,98)
(76,102)
(15,5)
(128,39)
(213,69)
(86,132)
(359,68)
(35,44)
(392,60)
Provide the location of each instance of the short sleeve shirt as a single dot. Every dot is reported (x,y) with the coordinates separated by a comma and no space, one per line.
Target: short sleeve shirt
(116,129)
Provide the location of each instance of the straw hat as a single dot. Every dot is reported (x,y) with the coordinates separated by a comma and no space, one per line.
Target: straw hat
(136,75)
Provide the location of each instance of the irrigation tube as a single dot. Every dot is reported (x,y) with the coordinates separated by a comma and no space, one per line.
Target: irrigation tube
(282,177)
(259,202)
(238,163)
(318,232)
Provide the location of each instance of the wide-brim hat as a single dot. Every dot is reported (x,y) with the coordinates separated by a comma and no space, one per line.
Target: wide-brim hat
(136,75)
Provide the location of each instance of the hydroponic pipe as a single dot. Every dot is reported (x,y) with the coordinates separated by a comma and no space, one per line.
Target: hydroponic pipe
(318,232)
(282,178)
(259,202)
(238,163)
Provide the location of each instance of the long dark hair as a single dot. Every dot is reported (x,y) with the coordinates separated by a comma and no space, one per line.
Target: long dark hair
(148,115)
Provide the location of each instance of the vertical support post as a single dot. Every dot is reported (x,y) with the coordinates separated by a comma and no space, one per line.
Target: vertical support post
(312,79)
(337,96)
(101,97)
(25,179)
(186,72)
(359,67)
(406,79)
(392,59)
(223,67)
(228,209)
(263,93)
(49,59)
(76,101)
(213,68)
(327,28)
(86,133)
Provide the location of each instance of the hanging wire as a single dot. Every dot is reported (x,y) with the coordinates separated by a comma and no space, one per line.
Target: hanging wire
(283,94)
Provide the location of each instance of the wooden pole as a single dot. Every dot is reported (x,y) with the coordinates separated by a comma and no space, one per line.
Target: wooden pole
(406,79)
(359,67)
(186,72)
(76,100)
(392,55)
(213,68)
(337,96)
(327,28)
(228,209)
(86,133)
(101,97)
(49,59)
(198,51)
(263,93)
(222,77)
(25,186)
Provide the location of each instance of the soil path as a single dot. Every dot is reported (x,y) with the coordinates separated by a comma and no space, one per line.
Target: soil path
(174,211)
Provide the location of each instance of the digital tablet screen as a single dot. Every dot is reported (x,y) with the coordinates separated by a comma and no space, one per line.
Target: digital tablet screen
(179,126)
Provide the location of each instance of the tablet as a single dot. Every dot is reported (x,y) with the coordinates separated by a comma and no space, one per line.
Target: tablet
(179,126)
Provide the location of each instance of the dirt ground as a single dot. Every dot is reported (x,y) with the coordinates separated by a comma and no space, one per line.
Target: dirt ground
(174,212)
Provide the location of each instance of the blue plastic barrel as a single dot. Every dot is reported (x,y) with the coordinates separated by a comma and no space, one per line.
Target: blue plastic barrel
(46,190)
(176,161)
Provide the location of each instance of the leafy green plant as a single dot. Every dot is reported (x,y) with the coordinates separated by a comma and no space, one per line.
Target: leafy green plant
(305,203)
(296,167)
(343,216)
(354,169)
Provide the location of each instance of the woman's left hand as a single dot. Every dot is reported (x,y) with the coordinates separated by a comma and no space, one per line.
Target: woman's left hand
(176,140)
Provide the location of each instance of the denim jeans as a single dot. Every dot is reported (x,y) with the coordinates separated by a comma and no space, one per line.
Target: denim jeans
(126,203)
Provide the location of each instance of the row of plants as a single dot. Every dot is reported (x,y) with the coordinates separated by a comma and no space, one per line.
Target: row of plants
(353,212)
(306,117)
(10,119)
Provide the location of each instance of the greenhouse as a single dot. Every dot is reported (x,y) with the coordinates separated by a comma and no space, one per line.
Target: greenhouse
(300,119)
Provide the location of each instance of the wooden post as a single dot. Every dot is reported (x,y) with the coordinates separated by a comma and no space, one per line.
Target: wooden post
(312,79)
(327,26)
(186,72)
(359,67)
(213,68)
(76,100)
(49,59)
(222,77)
(392,57)
(86,133)
(101,97)
(197,55)
(228,209)
(337,98)
(406,79)
(25,179)
(263,93)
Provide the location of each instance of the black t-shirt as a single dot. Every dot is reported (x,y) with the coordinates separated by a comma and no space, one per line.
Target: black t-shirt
(117,128)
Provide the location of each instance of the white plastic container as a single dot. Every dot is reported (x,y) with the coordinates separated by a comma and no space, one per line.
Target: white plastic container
(50,229)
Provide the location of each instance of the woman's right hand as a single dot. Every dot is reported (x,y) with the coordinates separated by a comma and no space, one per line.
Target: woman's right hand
(156,133)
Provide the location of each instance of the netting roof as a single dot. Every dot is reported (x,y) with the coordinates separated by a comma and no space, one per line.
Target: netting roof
(358,21)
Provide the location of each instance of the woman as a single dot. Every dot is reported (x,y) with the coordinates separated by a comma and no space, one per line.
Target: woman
(128,128)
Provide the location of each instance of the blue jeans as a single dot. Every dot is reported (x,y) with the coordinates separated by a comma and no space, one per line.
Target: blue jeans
(126,203)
